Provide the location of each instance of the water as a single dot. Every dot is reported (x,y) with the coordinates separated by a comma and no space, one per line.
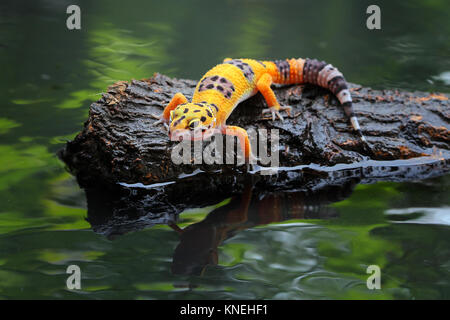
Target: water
(319,247)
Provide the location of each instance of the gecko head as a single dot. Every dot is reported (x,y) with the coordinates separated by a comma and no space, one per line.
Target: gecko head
(192,118)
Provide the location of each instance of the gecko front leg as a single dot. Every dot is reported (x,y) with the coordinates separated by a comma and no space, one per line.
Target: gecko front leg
(244,141)
(263,86)
(164,118)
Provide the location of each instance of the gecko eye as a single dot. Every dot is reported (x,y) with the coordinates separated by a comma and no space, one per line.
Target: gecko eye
(194,123)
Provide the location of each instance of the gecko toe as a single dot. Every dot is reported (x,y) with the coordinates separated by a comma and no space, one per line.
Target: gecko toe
(276,113)
(288,110)
(161,120)
(279,116)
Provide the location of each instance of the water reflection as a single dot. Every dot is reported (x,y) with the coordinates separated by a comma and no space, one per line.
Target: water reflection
(199,242)
(211,219)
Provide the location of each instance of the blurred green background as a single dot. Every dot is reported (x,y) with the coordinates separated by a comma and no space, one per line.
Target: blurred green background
(49,75)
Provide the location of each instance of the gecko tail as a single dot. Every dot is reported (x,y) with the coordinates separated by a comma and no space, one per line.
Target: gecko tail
(327,76)
(348,110)
(355,125)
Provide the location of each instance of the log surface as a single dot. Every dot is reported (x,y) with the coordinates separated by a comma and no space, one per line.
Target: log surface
(118,142)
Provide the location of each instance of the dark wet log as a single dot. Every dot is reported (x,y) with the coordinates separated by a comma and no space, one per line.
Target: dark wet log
(119,144)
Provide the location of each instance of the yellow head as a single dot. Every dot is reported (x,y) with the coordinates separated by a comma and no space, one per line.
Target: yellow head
(190,118)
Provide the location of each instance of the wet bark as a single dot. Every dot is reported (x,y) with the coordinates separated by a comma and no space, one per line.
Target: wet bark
(119,143)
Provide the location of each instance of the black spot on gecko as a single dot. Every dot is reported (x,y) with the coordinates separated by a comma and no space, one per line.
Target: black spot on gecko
(221,84)
(186,110)
(261,63)
(215,107)
(203,119)
(178,121)
(209,113)
(197,110)
(283,68)
(245,67)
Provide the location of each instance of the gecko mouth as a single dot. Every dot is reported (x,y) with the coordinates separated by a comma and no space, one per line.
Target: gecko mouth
(180,135)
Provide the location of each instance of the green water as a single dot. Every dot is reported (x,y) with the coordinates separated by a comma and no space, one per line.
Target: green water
(50,75)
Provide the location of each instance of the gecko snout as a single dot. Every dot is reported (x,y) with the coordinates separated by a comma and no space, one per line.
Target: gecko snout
(179,135)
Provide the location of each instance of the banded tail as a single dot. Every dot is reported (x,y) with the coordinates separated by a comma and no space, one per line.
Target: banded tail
(299,71)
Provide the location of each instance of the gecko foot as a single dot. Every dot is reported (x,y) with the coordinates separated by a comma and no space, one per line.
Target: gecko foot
(161,120)
(276,113)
